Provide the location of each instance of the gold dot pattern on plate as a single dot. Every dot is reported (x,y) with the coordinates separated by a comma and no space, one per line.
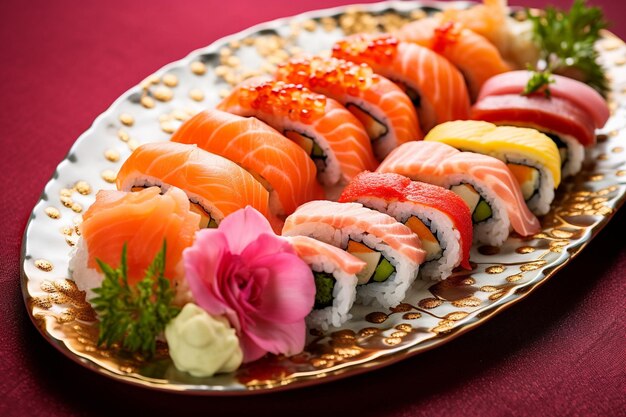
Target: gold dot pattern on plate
(514,278)
(44,265)
(525,249)
(376,317)
(163,93)
(53,212)
(531,266)
(196,94)
(147,102)
(430,303)
(411,316)
(495,269)
(109,176)
(198,68)
(112,155)
(170,80)
(456,315)
(127,119)
(123,135)
(467,302)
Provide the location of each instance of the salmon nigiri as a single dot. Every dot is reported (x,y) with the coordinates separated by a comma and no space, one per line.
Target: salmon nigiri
(278,163)
(470,52)
(330,134)
(488,187)
(142,221)
(216,185)
(435,86)
(384,109)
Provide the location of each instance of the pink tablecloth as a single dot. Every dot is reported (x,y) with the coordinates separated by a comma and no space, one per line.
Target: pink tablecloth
(561,351)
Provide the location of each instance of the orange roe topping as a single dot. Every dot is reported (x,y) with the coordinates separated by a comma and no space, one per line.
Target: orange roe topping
(282,99)
(335,75)
(376,49)
(445,35)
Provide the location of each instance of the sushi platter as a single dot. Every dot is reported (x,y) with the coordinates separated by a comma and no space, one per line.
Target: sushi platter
(291,205)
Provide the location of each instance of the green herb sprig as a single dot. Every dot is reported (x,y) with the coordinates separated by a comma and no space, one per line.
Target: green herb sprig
(539,81)
(566,44)
(134,316)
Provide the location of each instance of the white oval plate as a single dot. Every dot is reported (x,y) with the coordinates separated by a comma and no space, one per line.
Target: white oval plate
(431,314)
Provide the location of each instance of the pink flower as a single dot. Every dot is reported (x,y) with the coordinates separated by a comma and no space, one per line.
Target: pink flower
(245,272)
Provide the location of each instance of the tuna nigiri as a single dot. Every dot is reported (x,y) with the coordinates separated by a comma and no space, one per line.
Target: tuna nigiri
(485,183)
(436,87)
(382,107)
(278,163)
(391,251)
(330,134)
(142,221)
(216,185)
(476,58)
(438,216)
(569,116)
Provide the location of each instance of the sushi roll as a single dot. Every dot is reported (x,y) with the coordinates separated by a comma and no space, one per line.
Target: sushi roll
(569,116)
(439,217)
(141,221)
(381,106)
(532,157)
(335,272)
(435,86)
(281,166)
(391,251)
(215,186)
(476,58)
(330,134)
(485,184)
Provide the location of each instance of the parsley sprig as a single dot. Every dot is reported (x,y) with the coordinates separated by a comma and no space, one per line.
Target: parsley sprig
(566,44)
(134,316)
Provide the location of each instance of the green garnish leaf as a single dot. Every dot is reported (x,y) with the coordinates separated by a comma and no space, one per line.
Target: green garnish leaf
(566,42)
(134,316)
(539,81)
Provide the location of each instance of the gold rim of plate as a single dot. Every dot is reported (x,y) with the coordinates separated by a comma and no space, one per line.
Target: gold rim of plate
(431,314)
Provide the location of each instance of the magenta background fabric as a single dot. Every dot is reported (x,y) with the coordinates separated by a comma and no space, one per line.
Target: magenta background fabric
(562,351)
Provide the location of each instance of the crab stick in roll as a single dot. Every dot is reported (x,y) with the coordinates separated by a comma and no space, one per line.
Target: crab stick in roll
(435,86)
(486,184)
(383,108)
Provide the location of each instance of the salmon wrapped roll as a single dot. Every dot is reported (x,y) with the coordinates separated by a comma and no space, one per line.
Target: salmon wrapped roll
(381,106)
(216,186)
(281,166)
(532,157)
(329,134)
(435,86)
(485,184)
(391,251)
(439,217)
(334,271)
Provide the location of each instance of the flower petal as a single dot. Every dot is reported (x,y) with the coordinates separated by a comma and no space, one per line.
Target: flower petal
(243,227)
(274,338)
(202,261)
(289,293)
